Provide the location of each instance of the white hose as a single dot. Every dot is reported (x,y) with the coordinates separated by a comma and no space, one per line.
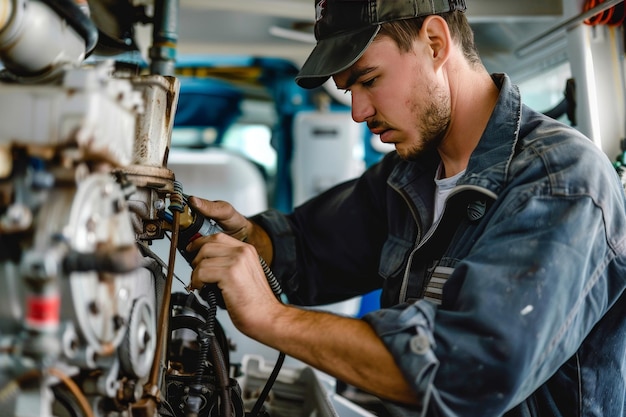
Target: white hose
(36,41)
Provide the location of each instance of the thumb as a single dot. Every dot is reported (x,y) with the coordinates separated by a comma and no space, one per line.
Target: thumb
(198,204)
(217,210)
(229,219)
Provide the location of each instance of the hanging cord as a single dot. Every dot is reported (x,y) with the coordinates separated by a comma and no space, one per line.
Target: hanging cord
(218,359)
(208,345)
(75,390)
(212,291)
(212,349)
(278,292)
(208,293)
(256,409)
(272,281)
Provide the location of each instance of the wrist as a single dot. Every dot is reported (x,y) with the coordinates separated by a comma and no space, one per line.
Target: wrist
(258,237)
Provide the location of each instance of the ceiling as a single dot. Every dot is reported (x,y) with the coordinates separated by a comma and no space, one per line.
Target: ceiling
(283,29)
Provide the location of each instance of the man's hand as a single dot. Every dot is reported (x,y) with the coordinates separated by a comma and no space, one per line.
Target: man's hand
(230,220)
(234,266)
(235,224)
(344,347)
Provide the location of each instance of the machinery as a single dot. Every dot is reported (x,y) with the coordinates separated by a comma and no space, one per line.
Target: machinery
(88,324)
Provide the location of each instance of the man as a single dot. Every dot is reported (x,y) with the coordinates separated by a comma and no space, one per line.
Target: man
(497,235)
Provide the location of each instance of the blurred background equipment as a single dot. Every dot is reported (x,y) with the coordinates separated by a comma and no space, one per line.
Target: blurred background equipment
(112,112)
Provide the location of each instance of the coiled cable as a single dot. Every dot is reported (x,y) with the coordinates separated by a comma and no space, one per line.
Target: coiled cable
(278,292)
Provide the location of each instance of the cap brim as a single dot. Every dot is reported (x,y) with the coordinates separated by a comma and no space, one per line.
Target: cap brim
(333,55)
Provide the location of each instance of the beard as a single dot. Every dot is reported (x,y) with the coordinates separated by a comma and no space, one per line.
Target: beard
(432,125)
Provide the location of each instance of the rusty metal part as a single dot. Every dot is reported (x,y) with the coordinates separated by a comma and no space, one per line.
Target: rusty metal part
(158,178)
(151,390)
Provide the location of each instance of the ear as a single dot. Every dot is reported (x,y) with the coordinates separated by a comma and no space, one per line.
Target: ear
(435,28)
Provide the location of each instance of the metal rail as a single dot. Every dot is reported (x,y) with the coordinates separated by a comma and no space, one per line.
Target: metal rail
(527,47)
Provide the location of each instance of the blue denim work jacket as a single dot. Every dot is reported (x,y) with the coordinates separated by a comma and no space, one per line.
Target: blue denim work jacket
(515,305)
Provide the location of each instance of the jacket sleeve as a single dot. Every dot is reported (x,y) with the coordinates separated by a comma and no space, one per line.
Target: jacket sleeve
(545,270)
(328,249)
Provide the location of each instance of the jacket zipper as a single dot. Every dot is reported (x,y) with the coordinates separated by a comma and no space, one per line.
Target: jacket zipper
(418,244)
(405,281)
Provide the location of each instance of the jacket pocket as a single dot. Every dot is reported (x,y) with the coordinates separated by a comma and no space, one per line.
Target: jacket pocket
(394,256)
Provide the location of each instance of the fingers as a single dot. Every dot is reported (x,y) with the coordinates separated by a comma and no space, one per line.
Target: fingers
(217,210)
(229,219)
(220,245)
(232,265)
(224,253)
(235,268)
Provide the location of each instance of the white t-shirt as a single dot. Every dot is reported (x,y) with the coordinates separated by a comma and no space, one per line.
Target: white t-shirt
(443,186)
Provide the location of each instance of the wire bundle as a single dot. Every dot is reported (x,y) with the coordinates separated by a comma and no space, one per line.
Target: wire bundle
(613,16)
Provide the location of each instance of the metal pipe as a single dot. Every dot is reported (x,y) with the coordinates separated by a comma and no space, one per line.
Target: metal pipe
(164,37)
(527,47)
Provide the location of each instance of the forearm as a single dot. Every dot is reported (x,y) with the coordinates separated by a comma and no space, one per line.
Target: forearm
(343,347)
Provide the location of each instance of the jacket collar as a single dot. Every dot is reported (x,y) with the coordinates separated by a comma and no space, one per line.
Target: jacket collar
(488,166)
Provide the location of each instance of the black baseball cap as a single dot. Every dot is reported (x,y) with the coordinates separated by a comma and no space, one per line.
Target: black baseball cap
(345,28)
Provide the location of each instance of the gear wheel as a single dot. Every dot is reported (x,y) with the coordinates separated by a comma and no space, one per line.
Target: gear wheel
(137,349)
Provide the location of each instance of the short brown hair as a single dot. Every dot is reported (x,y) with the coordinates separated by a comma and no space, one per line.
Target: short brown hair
(404,31)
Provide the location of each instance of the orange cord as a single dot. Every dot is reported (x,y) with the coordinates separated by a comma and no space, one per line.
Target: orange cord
(71,385)
(619,16)
(609,16)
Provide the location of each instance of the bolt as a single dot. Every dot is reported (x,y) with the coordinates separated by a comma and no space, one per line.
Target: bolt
(151,229)
(159,204)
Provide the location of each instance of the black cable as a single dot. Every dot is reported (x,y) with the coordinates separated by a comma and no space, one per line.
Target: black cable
(278,292)
(208,346)
(213,294)
(567,105)
(557,111)
(226,406)
(219,364)
(256,409)
(78,20)
(168,407)
(271,279)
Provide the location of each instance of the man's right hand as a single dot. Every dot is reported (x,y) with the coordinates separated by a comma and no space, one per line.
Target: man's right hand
(234,224)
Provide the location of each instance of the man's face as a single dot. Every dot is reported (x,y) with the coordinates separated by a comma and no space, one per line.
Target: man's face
(399,95)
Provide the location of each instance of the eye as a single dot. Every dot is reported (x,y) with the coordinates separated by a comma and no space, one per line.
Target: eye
(368,83)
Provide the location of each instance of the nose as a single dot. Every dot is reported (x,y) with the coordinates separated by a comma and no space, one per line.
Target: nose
(362,108)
